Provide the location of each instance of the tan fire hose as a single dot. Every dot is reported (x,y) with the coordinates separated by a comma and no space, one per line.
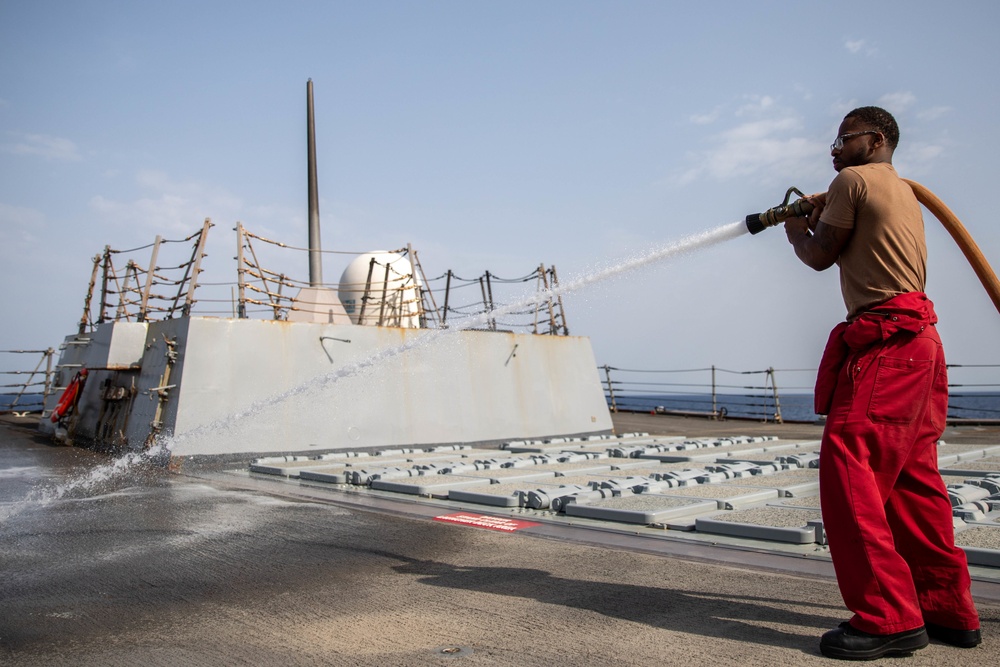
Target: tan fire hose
(962,238)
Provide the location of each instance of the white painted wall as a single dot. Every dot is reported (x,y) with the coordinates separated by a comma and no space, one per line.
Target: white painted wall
(268,386)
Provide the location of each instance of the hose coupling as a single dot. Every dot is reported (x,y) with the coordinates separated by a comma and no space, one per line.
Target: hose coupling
(758,222)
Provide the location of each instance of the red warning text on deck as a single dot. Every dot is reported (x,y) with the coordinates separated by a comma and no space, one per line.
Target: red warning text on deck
(488,522)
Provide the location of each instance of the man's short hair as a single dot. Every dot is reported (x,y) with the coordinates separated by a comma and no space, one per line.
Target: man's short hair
(879,119)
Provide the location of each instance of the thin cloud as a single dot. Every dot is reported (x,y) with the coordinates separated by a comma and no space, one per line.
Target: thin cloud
(859,47)
(169,206)
(925,153)
(897,102)
(934,113)
(19,225)
(757,147)
(178,208)
(707,118)
(918,159)
(43,145)
(757,104)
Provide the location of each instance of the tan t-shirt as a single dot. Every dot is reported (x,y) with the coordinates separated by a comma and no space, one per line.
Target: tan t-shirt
(887,254)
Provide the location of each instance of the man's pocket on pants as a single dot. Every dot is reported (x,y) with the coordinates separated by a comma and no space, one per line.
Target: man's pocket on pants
(901,389)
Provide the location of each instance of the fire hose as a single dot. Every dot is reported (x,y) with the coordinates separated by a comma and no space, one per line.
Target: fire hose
(758,222)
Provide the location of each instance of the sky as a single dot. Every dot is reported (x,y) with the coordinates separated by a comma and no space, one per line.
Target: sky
(497,136)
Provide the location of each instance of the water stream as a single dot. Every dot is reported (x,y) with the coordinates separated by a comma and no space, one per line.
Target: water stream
(125,464)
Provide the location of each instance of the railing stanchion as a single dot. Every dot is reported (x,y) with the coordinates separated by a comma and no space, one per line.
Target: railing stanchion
(777,401)
(611,389)
(715,406)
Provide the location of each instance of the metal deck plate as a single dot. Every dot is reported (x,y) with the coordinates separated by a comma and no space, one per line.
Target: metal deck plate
(769,496)
(645,508)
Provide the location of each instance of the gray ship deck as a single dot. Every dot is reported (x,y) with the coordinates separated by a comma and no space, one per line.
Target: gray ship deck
(215,564)
(675,485)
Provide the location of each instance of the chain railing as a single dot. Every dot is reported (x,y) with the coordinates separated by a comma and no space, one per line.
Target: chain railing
(544,315)
(705,392)
(389,296)
(131,292)
(125,286)
(28,395)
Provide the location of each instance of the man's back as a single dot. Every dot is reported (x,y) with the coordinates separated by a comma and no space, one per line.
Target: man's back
(887,253)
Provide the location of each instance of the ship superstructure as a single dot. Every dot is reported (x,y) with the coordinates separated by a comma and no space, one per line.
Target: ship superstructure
(381,358)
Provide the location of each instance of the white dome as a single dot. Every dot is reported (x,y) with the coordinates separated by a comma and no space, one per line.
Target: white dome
(393,290)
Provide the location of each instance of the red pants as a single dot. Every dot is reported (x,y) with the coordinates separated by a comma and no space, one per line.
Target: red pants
(886,512)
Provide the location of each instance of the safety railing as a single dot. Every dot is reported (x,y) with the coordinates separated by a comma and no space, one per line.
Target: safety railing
(973,392)
(504,303)
(262,289)
(696,392)
(131,291)
(388,295)
(130,285)
(715,393)
(27,395)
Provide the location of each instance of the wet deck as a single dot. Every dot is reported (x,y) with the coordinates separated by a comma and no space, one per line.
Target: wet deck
(218,565)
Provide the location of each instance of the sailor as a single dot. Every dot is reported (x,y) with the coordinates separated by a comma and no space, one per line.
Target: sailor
(883,384)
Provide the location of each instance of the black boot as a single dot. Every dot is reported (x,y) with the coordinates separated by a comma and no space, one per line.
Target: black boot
(848,643)
(960,638)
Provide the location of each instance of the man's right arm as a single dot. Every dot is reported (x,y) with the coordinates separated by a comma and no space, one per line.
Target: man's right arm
(818,248)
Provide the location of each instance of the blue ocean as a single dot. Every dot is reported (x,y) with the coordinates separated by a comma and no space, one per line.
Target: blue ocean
(29,402)
(794,407)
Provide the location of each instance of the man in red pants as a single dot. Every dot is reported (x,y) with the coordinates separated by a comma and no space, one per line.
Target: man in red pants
(883,384)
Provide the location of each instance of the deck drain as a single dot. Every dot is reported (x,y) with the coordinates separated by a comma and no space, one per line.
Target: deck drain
(453,651)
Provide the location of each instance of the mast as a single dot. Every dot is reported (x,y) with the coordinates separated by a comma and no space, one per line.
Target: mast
(315,247)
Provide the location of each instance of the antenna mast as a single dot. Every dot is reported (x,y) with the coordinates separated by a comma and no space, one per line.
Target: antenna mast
(315,246)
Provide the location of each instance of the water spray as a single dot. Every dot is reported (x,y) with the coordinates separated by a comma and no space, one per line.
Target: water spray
(683,246)
(800,208)
(754,224)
